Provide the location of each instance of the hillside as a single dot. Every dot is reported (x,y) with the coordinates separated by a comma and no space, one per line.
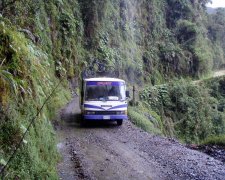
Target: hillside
(211,10)
(45,45)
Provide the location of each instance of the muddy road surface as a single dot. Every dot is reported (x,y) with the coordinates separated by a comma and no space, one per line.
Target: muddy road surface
(104,150)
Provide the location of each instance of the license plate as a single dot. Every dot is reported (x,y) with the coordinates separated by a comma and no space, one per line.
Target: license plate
(106,117)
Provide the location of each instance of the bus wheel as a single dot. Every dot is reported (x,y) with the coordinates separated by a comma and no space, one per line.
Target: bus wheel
(119,122)
(83,123)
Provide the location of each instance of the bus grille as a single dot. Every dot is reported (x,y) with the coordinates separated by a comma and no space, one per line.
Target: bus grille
(105,112)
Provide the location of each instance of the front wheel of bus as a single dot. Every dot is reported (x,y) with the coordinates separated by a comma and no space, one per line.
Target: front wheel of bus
(83,123)
(119,122)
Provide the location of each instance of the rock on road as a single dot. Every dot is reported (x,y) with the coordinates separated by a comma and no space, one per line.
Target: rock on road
(106,151)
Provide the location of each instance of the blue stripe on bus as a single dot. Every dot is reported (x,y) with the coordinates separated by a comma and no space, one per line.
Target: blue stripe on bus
(103,83)
(97,107)
(101,117)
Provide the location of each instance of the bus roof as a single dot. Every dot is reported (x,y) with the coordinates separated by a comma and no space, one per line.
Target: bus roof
(104,79)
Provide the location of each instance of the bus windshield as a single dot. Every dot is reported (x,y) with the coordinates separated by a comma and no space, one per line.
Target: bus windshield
(105,91)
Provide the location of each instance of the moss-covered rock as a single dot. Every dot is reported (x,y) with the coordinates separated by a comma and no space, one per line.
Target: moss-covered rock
(27,78)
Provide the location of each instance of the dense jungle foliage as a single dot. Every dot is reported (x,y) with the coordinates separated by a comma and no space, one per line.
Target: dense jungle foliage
(189,111)
(149,42)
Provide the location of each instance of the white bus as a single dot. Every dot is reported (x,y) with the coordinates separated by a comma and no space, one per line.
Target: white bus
(104,99)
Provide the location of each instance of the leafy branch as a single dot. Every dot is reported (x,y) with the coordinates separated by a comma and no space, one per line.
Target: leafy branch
(5,3)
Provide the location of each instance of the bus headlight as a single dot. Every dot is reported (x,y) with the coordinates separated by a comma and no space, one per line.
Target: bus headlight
(89,112)
(121,112)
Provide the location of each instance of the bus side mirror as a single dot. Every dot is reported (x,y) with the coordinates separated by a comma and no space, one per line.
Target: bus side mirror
(127,94)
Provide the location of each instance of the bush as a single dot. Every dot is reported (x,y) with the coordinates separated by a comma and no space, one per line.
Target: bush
(187,110)
(214,140)
(149,122)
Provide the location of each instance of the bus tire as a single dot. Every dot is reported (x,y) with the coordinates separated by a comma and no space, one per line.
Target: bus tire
(83,123)
(119,122)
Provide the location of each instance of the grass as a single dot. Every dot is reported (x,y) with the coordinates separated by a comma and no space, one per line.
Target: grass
(138,117)
(215,140)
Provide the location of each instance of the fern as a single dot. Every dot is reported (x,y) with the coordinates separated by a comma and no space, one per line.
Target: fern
(8,78)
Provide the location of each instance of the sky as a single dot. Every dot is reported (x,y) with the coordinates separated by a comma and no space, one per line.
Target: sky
(217,3)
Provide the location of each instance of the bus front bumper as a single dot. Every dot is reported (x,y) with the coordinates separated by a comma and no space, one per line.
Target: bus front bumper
(105,117)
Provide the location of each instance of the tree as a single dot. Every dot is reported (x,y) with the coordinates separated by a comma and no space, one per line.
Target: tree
(6,3)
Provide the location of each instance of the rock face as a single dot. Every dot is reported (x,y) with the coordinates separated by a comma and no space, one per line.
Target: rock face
(147,37)
(146,40)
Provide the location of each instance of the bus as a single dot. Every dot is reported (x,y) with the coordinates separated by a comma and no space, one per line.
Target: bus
(104,98)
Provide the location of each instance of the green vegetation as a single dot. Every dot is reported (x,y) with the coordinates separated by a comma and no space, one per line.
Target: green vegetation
(215,140)
(189,111)
(145,119)
(215,25)
(27,77)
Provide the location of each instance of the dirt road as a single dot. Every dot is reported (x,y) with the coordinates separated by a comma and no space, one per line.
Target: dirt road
(215,74)
(106,151)
(219,73)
